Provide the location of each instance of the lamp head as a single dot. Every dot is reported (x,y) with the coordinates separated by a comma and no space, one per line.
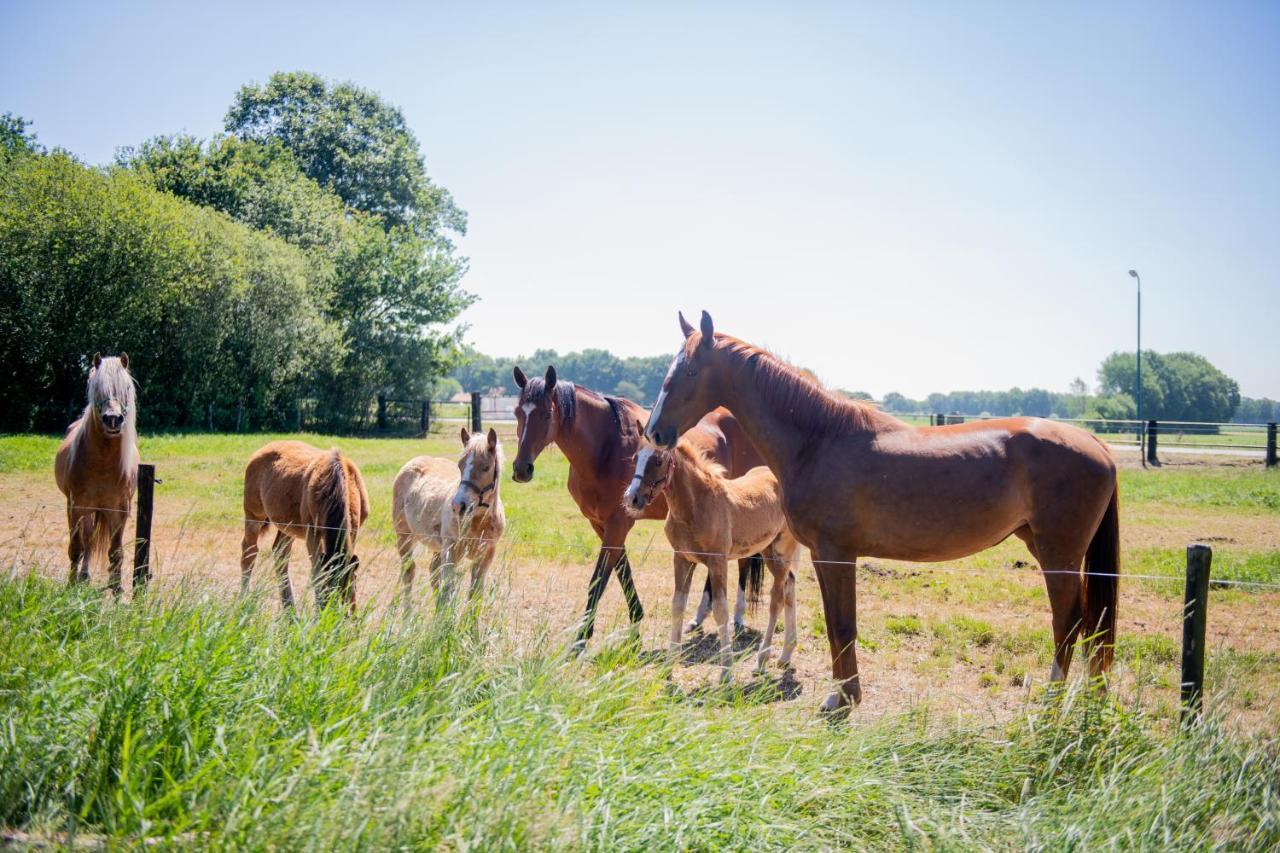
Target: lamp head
(1133,273)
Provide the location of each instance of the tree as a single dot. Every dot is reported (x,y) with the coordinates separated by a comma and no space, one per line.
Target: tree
(1179,386)
(350,141)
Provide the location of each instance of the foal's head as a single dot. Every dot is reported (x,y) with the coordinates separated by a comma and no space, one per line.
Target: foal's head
(542,407)
(653,472)
(690,390)
(481,467)
(111,395)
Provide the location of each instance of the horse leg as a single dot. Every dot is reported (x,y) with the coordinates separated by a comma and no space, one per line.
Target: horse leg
(740,609)
(479,568)
(683,570)
(838,584)
(1065,586)
(433,571)
(718,568)
(115,551)
(789,635)
(404,545)
(777,598)
(704,607)
(249,550)
(78,548)
(447,573)
(613,538)
(281,549)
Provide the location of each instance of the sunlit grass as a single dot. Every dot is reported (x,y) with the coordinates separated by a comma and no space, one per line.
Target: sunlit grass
(212,722)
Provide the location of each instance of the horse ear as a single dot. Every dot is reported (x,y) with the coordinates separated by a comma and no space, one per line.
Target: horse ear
(124,360)
(551,378)
(521,379)
(493,439)
(708,330)
(97,359)
(466,437)
(685,328)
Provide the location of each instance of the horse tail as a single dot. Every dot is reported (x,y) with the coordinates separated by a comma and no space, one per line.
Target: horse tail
(335,518)
(99,544)
(1101,585)
(750,578)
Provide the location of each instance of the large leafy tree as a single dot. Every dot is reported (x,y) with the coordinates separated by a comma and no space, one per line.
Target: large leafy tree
(397,275)
(1178,386)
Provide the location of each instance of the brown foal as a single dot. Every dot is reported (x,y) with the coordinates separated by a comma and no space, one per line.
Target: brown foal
(858,482)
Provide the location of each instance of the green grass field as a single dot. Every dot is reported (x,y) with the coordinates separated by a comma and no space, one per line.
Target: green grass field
(209,723)
(199,719)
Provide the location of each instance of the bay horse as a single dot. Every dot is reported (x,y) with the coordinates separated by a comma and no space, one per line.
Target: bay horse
(711,519)
(453,508)
(314,495)
(858,482)
(600,436)
(96,468)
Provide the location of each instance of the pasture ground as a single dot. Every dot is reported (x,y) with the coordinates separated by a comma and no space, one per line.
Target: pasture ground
(198,713)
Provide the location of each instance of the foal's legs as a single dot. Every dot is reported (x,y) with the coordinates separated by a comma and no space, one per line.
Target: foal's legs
(281,548)
(479,568)
(782,594)
(704,604)
(679,597)
(404,545)
(249,549)
(838,583)
(718,568)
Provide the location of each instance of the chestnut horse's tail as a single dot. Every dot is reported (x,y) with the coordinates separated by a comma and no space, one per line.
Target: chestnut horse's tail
(1101,585)
(335,518)
(752,579)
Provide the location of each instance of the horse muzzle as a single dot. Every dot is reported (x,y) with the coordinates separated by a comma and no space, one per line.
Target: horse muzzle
(521,472)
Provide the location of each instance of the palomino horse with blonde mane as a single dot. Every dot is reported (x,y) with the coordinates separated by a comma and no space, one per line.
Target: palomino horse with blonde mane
(857,482)
(712,519)
(97,469)
(600,436)
(314,495)
(452,508)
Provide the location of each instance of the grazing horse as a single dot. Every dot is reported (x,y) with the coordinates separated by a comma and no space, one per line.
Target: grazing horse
(96,467)
(452,508)
(314,495)
(600,436)
(858,482)
(712,519)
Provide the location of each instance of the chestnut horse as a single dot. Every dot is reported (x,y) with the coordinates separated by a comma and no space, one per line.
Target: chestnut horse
(454,509)
(858,482)
(712,519)
(96,467)
(600,437)
(314,495)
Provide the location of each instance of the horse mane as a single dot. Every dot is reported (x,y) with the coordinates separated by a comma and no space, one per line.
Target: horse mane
(700,461)
(800,395)
(565,394)
(109,380)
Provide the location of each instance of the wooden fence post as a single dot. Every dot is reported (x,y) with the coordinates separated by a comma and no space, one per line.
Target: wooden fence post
(424,420)
(1194,620)
(1271,445)
(142,532)
(382,413)
(475,411)
(1152,434)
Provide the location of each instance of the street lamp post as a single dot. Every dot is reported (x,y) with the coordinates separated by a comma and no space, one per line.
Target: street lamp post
(1142,451)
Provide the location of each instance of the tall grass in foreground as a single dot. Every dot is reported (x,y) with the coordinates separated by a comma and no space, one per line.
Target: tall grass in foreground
(217,723)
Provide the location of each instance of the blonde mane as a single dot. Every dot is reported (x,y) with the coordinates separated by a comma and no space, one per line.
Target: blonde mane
(110,380)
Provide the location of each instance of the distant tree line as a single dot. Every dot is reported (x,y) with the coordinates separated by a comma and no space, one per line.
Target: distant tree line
(1177,386)
(303,254)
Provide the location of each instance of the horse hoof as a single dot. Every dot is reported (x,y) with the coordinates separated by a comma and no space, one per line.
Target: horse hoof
(694,628)
(739,626)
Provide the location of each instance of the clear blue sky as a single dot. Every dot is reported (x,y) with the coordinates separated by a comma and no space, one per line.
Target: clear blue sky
(918,198)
